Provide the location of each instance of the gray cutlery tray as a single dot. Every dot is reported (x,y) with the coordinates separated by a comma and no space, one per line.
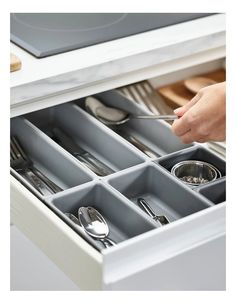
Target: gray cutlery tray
(88,134)
(124,219)
(215,191)
(137,175)
(152,133)
(48,157)
(153,184)
(193,153)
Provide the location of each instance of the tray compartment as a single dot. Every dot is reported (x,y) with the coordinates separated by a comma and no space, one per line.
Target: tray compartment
(165,195)
(193,153)
(124,220)
(48,157)
(215,191)
(88,134)
(154,134)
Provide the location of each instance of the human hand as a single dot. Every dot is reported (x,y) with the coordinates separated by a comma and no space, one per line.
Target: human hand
(203,118)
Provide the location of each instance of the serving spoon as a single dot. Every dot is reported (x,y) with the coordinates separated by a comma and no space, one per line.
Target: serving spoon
(115,116)
(95,225)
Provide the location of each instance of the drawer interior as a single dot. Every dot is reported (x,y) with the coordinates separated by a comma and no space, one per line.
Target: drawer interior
(73,122)
(151,133)
(133,172)
(51,161)
(194,153)
(124,220)
(153,185)
(215,192)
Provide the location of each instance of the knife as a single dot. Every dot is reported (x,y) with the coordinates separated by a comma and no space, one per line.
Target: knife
(137,143)
(85,157)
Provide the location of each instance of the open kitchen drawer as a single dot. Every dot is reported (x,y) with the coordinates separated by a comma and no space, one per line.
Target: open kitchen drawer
(186,254)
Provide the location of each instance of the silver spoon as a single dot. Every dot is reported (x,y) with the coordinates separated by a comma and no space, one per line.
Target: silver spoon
(162,219)
(93,105)
(95,225)
(114,116)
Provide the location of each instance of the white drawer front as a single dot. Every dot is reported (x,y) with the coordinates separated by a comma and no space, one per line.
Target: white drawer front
(202,267)
(81,262)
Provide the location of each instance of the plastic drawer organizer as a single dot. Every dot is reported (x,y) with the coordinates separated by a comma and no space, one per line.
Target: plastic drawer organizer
(134,174)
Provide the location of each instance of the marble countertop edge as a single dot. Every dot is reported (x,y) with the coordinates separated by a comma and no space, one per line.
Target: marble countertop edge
(113,52)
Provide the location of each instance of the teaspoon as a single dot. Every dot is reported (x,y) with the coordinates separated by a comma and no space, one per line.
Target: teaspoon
(95,225)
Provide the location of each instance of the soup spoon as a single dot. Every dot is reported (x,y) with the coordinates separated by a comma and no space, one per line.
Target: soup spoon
(115,116)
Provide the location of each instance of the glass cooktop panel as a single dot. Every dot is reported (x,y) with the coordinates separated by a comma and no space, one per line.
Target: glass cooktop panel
(45,34)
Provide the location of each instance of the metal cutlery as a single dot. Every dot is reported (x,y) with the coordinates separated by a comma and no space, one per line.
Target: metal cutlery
(144,94)
(162,117)
(162,219)
(95,225)
(25,167)
(137,143)
(116,117)
(93,104)
(82,155)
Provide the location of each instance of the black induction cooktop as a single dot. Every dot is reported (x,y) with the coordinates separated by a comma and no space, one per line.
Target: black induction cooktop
(45,34)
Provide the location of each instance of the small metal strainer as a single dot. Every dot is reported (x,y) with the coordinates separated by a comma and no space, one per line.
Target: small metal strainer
(195,172)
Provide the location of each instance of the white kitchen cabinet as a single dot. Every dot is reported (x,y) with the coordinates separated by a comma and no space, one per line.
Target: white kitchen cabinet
(188,254)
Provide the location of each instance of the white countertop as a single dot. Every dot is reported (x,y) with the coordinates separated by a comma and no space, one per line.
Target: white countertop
(84,67)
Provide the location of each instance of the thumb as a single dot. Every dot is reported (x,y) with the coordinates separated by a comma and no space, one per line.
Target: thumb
(180,111)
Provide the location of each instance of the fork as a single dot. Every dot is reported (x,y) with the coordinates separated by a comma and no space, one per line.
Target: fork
(24,166)
(144,94)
